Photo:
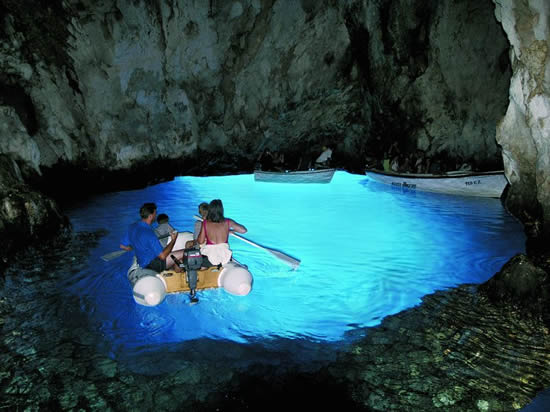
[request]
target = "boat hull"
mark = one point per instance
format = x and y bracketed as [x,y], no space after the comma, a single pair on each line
[302,176]
[481,184]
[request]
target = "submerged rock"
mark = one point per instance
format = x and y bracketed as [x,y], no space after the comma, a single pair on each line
[455,351]
[523,285]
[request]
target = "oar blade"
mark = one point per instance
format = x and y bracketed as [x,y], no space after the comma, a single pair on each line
[294,263]
[113,255]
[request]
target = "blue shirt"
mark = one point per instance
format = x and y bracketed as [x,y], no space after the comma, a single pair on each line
[143,240]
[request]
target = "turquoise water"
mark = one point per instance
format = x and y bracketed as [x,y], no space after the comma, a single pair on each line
[366,250]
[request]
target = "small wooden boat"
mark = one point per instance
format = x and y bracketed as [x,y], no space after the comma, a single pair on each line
[465,183]
[301,176]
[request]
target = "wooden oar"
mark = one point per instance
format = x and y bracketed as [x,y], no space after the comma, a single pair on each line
[294,263]
[113,255]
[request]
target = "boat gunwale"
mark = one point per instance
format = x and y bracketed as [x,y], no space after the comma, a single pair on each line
[453,175]
[295,172]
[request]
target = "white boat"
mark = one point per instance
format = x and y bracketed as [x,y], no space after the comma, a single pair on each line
[465,183]
[301,176]
[150,288]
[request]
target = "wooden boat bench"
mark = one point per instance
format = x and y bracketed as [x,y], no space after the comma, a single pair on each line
[177,281]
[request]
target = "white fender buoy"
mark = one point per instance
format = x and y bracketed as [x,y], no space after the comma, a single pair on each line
[149,290]
[235,279]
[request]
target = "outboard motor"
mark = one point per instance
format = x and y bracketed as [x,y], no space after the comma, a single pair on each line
[192,262]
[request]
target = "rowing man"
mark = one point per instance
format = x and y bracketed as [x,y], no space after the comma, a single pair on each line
[141,237]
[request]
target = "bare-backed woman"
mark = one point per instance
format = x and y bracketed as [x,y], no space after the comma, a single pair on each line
[215,231]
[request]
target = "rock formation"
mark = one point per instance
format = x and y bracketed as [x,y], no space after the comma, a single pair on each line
[524,132]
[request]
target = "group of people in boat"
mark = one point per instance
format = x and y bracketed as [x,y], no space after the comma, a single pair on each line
[276,161]
[398,161]
[153,246]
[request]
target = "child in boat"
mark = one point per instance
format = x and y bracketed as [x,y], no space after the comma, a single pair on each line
[163,229]
[203,212]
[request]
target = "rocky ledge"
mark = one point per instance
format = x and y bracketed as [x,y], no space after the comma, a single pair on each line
[26,215]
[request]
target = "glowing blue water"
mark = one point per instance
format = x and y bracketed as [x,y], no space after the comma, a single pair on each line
[367,251]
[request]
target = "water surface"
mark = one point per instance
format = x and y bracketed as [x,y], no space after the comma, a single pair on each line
[367,251]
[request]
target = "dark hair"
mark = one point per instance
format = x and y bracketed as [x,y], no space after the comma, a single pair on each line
[203,206]
[215,211]
[147,209]
[162,218]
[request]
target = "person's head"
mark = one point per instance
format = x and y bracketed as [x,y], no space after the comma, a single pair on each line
[203,209]
[162,218]
[215,211]
[147,210]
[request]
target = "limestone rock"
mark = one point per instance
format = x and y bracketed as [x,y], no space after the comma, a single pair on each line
[524,133]
[438,75]
[26,215]
[128,82]
[522,284]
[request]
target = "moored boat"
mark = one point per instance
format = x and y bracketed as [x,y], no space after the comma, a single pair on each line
[300,176]
[465,183]
[150,288]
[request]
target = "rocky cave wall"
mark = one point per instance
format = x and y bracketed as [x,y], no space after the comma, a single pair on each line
[524,132]
[202,87]
[437,75]
[149,80]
